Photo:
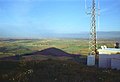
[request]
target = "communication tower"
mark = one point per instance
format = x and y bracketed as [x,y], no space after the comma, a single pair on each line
[93,12]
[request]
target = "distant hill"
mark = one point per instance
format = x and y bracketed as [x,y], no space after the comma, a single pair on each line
[109,35]
[83,35]
[55,52]
[50,51]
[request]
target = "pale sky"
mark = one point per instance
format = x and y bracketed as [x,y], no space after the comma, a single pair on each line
[24,18]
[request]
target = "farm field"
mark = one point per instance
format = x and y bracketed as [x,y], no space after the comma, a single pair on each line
[52,68]
[13,47]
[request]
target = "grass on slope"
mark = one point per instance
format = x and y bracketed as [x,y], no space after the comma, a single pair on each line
[54,71]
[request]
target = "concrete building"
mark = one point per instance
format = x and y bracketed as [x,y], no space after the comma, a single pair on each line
[109,61]
[115,63]
[109,58]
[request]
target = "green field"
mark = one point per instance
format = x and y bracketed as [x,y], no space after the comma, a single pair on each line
[49,68]
[73,46]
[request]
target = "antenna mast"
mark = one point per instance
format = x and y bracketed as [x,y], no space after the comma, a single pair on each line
[93,38]
[92,41]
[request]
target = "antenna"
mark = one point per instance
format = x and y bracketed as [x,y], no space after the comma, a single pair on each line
[87,9]
[98,13]
[93,37]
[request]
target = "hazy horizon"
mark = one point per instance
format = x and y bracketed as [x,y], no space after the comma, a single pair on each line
[82,35]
